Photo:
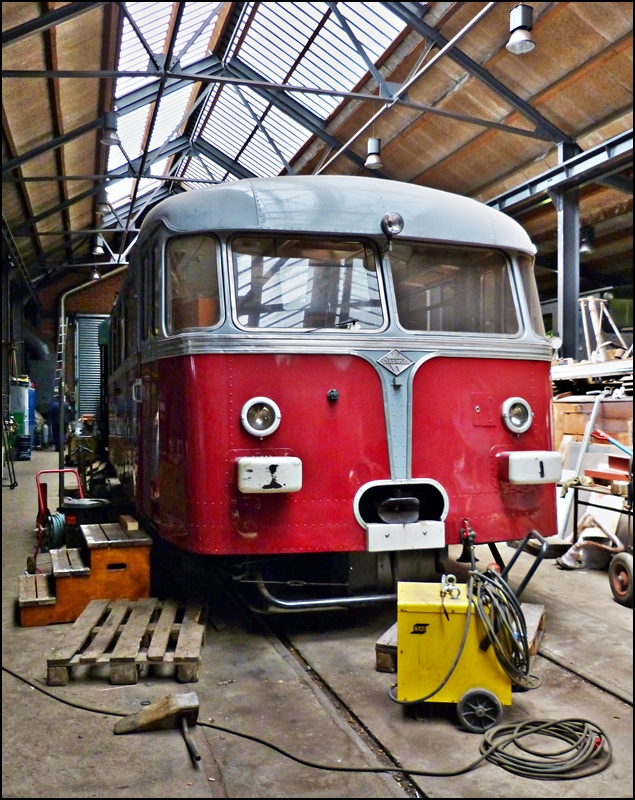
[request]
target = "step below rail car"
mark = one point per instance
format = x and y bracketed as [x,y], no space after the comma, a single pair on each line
[346,369]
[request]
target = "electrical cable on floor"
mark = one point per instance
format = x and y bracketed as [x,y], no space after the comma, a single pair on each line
[588,749]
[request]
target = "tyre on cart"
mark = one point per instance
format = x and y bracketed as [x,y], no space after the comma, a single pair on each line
[479,710]
[621,578]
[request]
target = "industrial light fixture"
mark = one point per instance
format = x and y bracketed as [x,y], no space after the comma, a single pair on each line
[587,239]
[98,245]
[102,202]
[95,276]
[110,137]
[521,21]
[373,159]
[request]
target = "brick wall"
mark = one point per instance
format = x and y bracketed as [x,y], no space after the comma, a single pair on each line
[98,298]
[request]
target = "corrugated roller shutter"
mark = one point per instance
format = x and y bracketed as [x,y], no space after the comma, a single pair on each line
[88,364]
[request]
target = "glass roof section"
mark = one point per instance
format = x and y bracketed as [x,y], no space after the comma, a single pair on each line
[230,129]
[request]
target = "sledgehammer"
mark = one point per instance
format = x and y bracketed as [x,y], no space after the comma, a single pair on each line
[174,711]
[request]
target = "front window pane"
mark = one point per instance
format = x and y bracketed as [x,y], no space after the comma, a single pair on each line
[452,289]
[300,283]
[526,265]
[192,283]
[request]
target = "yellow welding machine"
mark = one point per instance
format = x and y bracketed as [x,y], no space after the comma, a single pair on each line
[431,619]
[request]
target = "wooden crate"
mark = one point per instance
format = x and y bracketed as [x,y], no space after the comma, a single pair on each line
[115,563]
[386,645]
[129,636]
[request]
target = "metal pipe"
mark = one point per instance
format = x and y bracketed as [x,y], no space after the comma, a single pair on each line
[333,602]
[187,735]
[62,368]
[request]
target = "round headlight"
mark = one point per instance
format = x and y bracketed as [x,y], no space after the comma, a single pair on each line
[392,223]
[517,414]
[260,416]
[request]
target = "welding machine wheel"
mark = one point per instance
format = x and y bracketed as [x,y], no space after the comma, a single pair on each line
[479,710]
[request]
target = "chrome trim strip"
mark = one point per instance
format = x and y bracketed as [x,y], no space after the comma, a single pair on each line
[223,342]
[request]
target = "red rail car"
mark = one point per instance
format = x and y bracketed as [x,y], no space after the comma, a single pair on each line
[344,369]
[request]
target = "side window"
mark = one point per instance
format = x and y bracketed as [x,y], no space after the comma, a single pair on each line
[192,291]
[130,311]
[148,292]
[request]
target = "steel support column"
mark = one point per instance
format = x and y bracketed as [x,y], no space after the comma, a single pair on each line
[568,270]
[568,210]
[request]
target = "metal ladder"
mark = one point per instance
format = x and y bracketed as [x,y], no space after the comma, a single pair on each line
[61,346]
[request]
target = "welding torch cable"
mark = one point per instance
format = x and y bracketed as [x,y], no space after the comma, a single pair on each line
[587,741]
[504,623]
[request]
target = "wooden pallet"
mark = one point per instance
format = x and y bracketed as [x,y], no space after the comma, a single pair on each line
[386,645]
[129,636]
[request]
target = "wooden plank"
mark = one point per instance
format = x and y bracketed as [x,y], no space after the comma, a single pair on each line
[116,535]
[128,523]
[159,644]
[106,633]
[127,647]
[79,633]
[165,713]
[386,651]
[60,562]
[535,623]
[94,536]
[77,562]
[44,596]
[27,591]
[139,538]
[188,647]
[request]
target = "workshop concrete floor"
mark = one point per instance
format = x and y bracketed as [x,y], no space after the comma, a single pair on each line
[258,677]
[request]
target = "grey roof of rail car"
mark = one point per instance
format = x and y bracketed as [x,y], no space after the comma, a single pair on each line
[316,203]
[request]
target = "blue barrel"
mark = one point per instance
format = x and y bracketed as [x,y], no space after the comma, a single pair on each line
[23,445]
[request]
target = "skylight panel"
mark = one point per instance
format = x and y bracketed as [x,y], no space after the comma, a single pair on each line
[230,125]
[152,20]
[260,157]
[286,132]
[195,15]
[170,115]
[202,168]
[130,129]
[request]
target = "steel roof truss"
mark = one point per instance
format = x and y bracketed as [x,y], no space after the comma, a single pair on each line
[48,20]
[404,12]
[218,157]
[292,108]
[52,144]
[589,166]
[260,124]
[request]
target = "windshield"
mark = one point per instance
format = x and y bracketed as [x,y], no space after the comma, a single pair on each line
[452,289]
[305,284]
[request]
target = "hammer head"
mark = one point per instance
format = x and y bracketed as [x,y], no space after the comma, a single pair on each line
[165,713]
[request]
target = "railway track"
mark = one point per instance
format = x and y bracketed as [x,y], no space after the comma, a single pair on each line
[334,654]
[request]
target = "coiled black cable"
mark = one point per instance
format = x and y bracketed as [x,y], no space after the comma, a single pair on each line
[588,750]
[504,623]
